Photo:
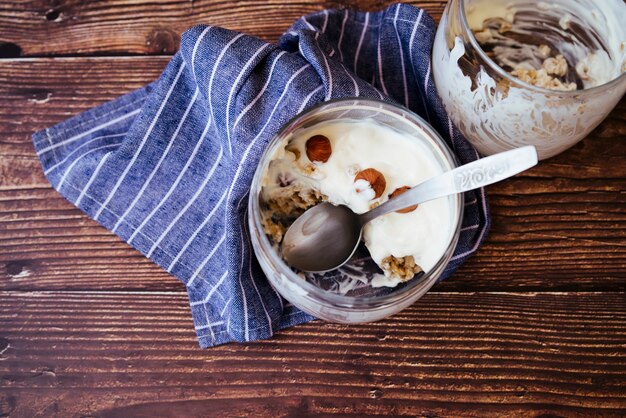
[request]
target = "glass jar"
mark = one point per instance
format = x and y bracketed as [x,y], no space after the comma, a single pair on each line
[497,111]
[318,295]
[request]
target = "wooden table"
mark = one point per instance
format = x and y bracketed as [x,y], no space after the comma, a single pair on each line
[534,324]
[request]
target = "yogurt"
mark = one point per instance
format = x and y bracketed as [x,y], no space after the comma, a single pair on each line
[421,235]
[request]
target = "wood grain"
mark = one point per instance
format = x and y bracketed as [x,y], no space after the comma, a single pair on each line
[69,27]
[561,226]
[533,325]
[122,354]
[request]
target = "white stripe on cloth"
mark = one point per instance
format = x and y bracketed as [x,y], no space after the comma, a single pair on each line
[209,325]
[235,85]
[141,145]
[358,48]
[263,89]
[406,89]
[413,33]
[90,131]
[343,27]
[246,234]
[208,321]
[356,86]
[195,49]
[426,88]
[243,291]
[307,22]
[380,66]
[225,306]
[380,95]
[206,260]
[329,93]
[197,231]
[451,133]
[426,78]
[91,179]
[328,73]
[68,156]
[325,20]
[166,152]
[213,72]
[306,100]
[467,228]
[69,169]
[210,293]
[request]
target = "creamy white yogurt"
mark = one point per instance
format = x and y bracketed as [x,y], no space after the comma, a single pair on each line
[403,160]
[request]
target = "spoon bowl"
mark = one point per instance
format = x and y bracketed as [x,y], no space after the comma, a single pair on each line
[331,230]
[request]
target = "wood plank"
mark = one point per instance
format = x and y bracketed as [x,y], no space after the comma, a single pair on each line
[37,93]
[561,226]
[47,244]
[69,27]
[491,354]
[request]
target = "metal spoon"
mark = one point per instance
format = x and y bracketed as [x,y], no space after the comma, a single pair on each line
[325,236]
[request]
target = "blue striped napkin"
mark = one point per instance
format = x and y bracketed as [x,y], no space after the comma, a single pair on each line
[168,167]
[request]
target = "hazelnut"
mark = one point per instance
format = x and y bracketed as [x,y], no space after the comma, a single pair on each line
[318,148]
[375,179]
[398,192]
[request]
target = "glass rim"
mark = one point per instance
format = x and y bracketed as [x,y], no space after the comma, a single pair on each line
[344,301]
[498,69]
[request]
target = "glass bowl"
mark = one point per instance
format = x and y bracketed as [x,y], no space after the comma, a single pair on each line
[496,111]
[341,295]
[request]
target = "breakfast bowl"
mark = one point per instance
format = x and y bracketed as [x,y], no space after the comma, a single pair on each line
[519,72]
[329,153]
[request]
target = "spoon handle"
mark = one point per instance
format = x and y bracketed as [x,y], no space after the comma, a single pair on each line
[470,176]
